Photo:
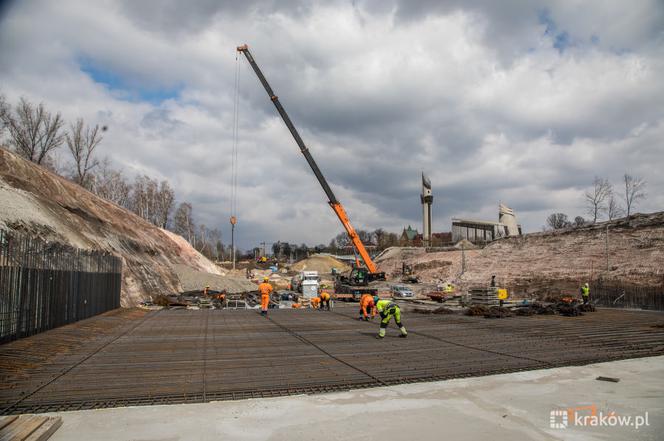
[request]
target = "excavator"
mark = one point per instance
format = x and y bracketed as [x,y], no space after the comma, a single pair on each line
[356,282]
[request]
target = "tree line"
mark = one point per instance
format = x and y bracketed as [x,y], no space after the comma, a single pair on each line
[34,133]
[602,200]
[377,240]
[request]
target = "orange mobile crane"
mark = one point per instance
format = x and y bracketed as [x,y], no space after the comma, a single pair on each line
[359,276]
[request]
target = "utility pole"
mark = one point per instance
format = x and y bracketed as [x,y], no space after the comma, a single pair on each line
[606,246]
[233,222]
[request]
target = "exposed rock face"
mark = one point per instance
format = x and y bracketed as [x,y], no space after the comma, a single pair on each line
[40,203]
[553,262]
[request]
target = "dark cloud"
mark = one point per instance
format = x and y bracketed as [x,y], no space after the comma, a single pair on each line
[495,101]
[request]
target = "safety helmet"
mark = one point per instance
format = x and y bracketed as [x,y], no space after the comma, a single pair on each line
[375,299]
[266,279]
[586,284]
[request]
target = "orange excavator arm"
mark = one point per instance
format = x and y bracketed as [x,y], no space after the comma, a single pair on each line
[332,200]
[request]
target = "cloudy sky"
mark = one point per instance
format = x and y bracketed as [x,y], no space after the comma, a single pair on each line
[520,102]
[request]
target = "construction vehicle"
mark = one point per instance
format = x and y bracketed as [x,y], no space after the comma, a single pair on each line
[307,283]
[408,274]
[359,277]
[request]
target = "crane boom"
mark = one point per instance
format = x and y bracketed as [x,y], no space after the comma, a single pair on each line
[332,200]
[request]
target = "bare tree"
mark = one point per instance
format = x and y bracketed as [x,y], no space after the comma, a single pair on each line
[33,131]
[214,238]
[201,242]
[613,208]
[208,242]
[145,199]
[111,185]
[579,221]
[4,111]
[634,191]
[341,240]
[82,142]
[165,201]
[597,197]
[556,221]
[183,222]
[219,247]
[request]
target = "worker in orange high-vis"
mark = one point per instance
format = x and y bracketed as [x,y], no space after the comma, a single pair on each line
[265,289]
[324,300]
[315,303]
[367,306]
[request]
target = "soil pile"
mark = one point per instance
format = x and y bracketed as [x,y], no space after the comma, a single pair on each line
[547,264]
[477,310]
[321,263]
[193,280]
[497,312]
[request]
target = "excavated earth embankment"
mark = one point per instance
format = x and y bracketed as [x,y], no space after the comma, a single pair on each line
[40,203]
[549,262]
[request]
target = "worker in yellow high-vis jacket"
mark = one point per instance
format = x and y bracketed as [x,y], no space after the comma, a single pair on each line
[388,309]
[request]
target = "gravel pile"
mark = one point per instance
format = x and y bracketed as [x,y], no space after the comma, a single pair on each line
[321,263]
[192,280]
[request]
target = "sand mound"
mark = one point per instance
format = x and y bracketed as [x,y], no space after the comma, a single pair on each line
[192,280]
[321,263]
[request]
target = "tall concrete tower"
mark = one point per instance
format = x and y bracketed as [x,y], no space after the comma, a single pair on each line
[427,200]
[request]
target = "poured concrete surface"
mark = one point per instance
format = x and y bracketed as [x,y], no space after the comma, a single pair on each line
[506,407]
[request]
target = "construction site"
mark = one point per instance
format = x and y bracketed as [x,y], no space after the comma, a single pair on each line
[114,328]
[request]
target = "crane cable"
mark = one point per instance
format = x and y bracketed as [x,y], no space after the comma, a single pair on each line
[234,166]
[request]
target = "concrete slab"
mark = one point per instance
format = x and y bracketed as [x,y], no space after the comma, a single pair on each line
[500,407]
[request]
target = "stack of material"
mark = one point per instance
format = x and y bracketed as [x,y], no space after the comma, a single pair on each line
[483,296]
[28,427]
[236,301]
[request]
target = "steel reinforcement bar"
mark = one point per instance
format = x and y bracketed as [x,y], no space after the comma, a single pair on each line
[181,356]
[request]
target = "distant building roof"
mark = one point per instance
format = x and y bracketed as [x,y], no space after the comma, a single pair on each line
[474,221]
[410,233]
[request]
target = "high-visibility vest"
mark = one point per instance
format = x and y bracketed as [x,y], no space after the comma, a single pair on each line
[384,305]
[265,288]
[585,291]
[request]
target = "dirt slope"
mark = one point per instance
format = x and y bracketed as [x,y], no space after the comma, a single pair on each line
[550,262]
[41,203]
